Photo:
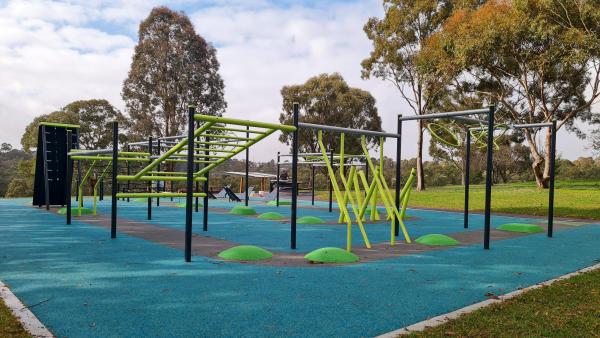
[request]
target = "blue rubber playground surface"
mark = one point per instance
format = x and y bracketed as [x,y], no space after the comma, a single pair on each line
[80,283]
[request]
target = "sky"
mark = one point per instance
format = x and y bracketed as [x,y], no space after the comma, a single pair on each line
[56,52]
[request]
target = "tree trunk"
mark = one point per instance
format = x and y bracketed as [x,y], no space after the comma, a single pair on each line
[538,161]
[420,171]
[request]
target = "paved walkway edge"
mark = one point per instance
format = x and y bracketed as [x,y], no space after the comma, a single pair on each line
[441,319]
[29,321]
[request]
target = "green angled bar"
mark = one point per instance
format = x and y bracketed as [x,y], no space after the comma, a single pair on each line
[231,137]
[224,144]
[173,150]
[64,125]
[217,119]
[238,130]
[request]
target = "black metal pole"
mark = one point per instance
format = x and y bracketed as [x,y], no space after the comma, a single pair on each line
[206,188]
[45,159]
[189,185]
[277,179]
[488,178]
[78,179]
[158,148]
[552,169]
[313,184]
[102,189]
[330,184]
[197,184]
[294,176]
[69,176]
[398,172]
[246,195]
[467,178]
[128,172]
[114,188]
[150,182]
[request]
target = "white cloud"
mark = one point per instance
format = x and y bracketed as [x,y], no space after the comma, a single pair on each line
[54,52]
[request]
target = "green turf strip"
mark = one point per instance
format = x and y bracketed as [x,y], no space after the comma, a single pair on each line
[437,240]
[521,227]
[242,210]
[281,202]
[310,220]
[245,253]
[271,216]
[75,211]
[331,255]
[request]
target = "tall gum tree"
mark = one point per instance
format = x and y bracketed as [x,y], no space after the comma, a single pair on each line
[538,59]
[172,67]
[327,99]
[397,39]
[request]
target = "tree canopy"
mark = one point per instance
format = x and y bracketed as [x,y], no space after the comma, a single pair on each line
[327,99]
[538,59]
[172,67]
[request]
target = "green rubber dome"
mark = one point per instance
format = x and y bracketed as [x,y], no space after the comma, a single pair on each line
[437,240]
[183,204]
[242,210]
[310,220]
[75,211]
[331,255]
[271,216]
[521,227]
[245,253]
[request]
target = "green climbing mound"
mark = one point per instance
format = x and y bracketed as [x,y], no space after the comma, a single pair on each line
[242,210]
[310,220]
[75,211]
[281,202]
[245,253]
[331,255]
[521,227]
[271,216]
[437,240]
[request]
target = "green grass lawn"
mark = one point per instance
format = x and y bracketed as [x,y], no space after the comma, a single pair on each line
[569,308]
[572,199]
[9,325]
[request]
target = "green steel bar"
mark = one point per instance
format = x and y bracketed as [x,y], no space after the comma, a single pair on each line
[156,194]
[185,161]
[215,150]
[157,178]
[108,158]
[406,196]
[133,153]
[200,155]
[167,172]
[336,191]
[238,130]
[211,143]
[172,151]
[80,188]
[217,119]
[231,137]
[64,125]
[98,184]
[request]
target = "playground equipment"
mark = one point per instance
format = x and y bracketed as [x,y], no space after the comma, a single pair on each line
[484,138]
[51,163]
[314,161]
[214,141]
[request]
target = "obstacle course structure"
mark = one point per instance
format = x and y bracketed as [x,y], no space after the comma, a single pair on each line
[51,163]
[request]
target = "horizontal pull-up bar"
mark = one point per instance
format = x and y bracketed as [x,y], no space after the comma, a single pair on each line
[156,194]
[470,120]
[346,130]
[445,115]
[520,126]
[218,119]
[319,155]
[158,178]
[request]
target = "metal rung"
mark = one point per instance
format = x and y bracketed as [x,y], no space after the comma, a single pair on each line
[227,137]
